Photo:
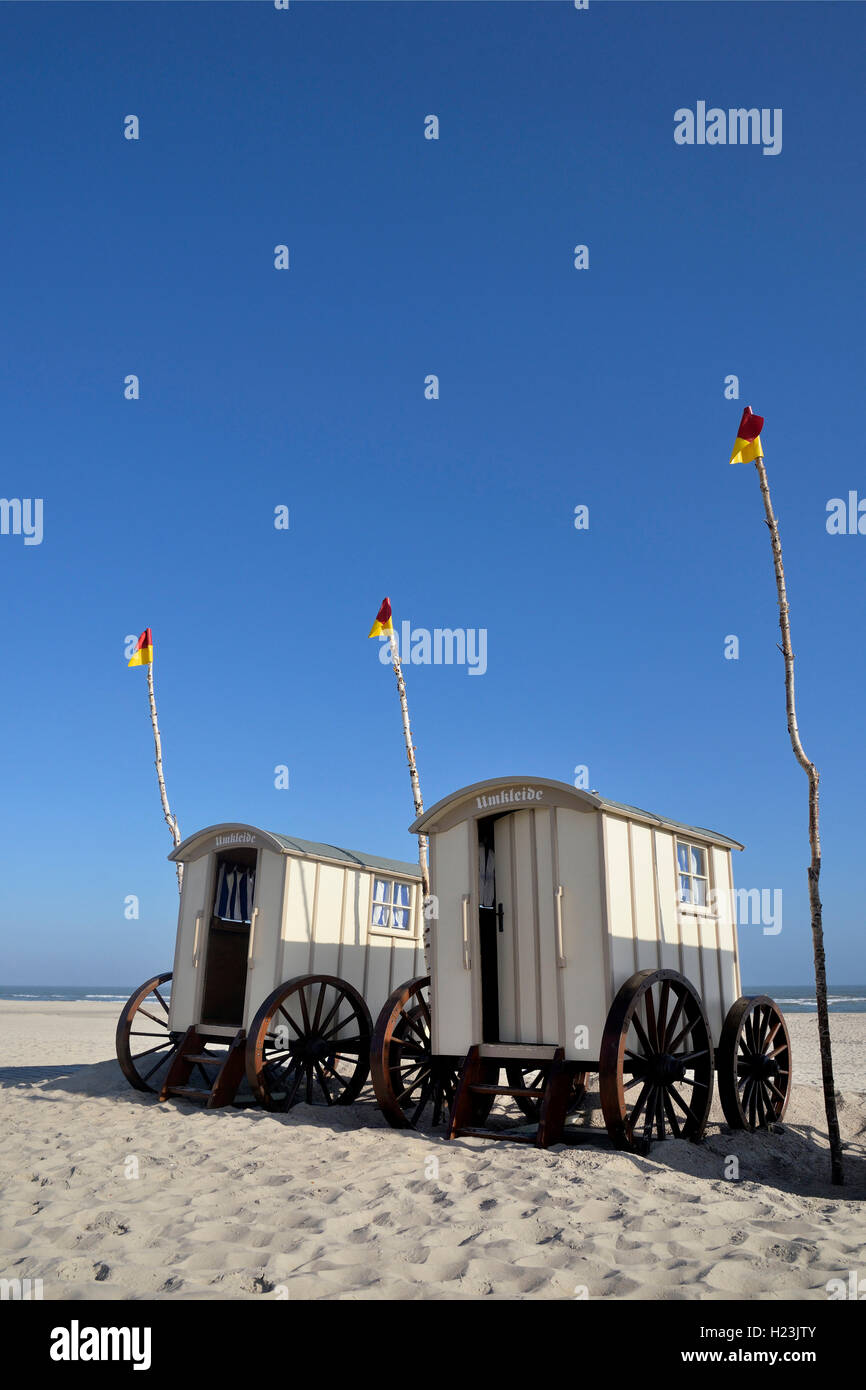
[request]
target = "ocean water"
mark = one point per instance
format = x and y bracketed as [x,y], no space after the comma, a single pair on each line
[793,999]
[97,994]
[800,999]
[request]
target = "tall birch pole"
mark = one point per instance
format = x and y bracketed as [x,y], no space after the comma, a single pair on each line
[170,818]
[812,774]
[143,656]
[410,757]
[383,626]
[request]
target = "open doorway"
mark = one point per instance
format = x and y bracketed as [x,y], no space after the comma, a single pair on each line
[225,974]
[489,928]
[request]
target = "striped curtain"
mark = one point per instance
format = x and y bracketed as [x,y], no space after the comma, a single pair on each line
[234,895]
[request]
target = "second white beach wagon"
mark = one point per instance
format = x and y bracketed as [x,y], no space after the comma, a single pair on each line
[568,935]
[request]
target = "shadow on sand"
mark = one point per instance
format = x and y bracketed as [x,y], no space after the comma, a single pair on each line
[793,1160]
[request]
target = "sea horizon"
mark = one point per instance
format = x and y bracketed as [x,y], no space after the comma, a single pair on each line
[798,998]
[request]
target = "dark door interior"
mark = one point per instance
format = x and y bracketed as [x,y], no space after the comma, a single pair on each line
[225,978]
[489,927]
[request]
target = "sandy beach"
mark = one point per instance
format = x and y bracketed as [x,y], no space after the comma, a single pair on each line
[107,1194]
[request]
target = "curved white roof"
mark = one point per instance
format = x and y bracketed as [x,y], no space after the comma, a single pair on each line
[237,834]
[429,819]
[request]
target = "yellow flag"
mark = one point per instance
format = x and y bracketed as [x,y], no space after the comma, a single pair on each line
[383,620]
[747,446]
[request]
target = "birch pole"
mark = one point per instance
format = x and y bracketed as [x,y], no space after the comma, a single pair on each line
[171,820]
[384,626]
[814,869]
[413,768]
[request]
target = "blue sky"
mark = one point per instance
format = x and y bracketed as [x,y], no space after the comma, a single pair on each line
[558,387]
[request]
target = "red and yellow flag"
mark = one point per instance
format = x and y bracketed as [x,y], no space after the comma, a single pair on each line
[747,446]
[383,620]
[143,654]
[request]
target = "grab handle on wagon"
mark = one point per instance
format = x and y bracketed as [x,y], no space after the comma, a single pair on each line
[198,917]
[560,950]
[467,959]
[251,951]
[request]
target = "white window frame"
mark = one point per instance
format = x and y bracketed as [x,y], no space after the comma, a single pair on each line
[696,909]
[408,933]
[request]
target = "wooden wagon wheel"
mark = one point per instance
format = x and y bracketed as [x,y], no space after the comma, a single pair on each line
[532,1077]
[656,1063]
[407,1078]
[754,1063]
[310,1041]
[145,1047]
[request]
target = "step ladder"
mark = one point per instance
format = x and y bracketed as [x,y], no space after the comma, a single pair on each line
[225,1070]
[553,1097]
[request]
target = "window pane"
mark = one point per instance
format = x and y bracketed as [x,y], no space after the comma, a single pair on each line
[697,861]
[381,890]
[400,918]
[401,894]
[380,915]
[683,857]
[699,891]
[685,889]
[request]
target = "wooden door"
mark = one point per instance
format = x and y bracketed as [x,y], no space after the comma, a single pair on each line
[528,984]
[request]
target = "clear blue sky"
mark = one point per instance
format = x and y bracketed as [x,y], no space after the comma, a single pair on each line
[306,387]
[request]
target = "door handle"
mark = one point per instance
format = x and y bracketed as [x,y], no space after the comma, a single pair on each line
[467,959]
[198,917]
[499,911]
[251,948]
[560,951]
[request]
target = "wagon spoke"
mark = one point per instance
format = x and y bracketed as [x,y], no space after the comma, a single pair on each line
[323,1083]
[419,1108]
[160,1047]
[674,1018]
[672,1114]
[413,1024]
[687,1059]
[663,1004]
[675,1095]
[290,1095]
[642,1037]
[683,1033]
[291,1022]
[421,1080]
[160,1022]
[333,1009]
[660,1113]
[639,1103]
[318,1014]
[157,1066]
[161,1000]
[652,1027]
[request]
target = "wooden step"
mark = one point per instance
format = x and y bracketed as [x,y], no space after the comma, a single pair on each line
[191,1054]
[481,1089]
[510,1134]
[188,1092]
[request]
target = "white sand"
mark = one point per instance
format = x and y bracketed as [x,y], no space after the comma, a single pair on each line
[334,1204]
